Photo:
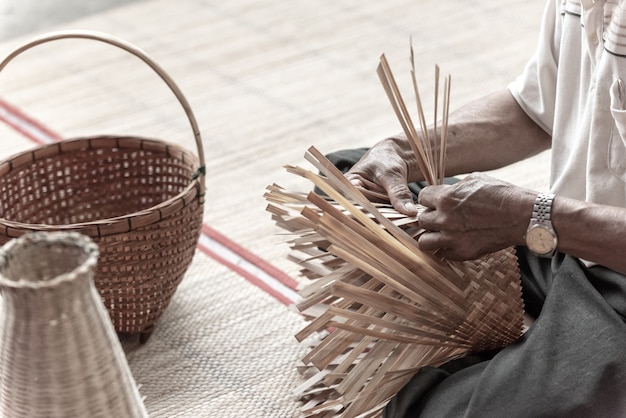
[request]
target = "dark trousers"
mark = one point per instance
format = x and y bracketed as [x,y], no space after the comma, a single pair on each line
[571,362]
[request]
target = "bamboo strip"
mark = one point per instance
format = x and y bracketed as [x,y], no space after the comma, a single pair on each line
[425,139]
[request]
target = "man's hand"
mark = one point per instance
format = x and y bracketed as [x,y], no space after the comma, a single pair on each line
[476,216]
[385,170]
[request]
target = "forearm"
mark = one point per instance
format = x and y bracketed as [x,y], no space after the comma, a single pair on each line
[590,231]
[488,133]
[585,230]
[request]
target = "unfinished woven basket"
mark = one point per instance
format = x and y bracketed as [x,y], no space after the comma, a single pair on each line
[59,354]
[140,199]
[379,308]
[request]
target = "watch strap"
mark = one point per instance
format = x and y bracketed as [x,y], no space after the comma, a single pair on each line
[542,209]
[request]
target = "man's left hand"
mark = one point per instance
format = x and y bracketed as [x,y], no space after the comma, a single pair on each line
[476,216]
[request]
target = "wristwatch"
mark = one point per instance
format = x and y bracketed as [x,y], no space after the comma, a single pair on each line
[540,236]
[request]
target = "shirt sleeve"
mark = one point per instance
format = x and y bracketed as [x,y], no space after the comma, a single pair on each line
[535,89]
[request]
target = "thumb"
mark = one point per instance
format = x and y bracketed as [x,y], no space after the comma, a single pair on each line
[401,197]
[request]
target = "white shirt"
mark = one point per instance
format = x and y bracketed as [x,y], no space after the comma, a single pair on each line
[575,89]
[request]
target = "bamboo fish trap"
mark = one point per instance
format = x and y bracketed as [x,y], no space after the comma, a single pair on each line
[379,309]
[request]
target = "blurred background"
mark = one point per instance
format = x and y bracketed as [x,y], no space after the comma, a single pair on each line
[18,17]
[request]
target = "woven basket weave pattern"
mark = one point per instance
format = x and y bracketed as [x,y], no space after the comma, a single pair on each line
[138,275]
[86,189]
[91,184]
[59,355]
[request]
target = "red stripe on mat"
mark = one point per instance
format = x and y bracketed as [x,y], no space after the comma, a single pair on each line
[248,265]
[27,126]
[254,269]
[256,260]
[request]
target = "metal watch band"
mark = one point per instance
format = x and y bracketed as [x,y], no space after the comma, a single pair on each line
[542,208]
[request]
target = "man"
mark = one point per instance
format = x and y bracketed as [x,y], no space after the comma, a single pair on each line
[571,241]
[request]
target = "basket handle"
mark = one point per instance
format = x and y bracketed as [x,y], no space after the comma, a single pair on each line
[120,43]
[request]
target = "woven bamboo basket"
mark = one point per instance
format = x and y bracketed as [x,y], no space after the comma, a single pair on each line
[59,354]
[140,199]
[379,308]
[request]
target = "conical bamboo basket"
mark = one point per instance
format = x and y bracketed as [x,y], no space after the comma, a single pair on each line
[59,353]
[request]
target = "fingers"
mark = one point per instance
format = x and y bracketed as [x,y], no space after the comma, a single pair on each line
[403,202]
[360,181]
[439,244]
[391,188]
[399,194]
[371,190]
[383,169]
[433,239]
[377,193]
[430,241]
[428,219]
[429,196]
[445,246]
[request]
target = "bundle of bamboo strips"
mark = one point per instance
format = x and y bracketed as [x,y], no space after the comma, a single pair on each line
[380,307]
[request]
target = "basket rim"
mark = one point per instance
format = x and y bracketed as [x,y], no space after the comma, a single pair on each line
[7,253]
[119,224]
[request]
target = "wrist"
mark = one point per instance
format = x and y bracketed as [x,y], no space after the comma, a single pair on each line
[521,213]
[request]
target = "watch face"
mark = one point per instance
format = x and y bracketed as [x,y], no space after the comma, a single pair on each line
[540,239]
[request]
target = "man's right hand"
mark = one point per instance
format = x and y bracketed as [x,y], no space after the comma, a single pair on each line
[386,169]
